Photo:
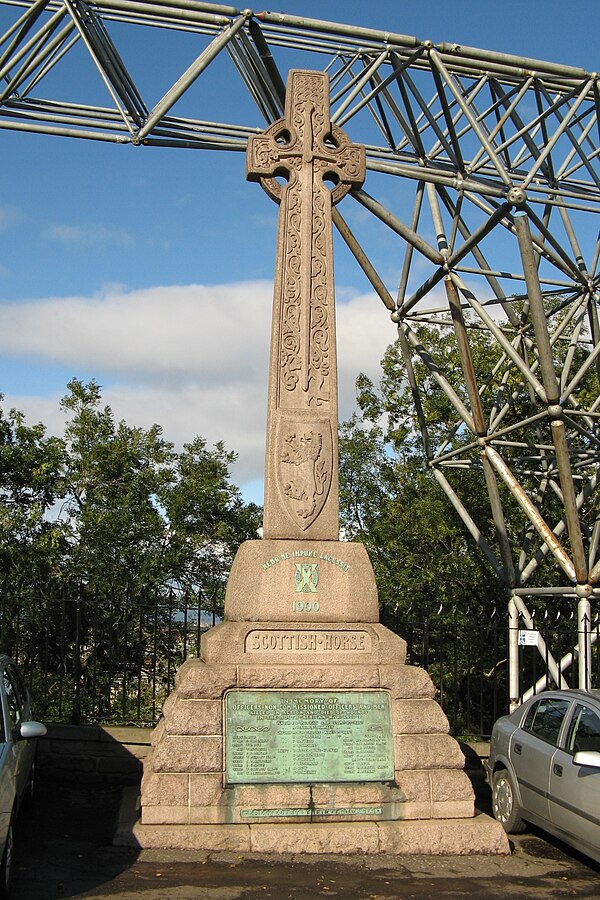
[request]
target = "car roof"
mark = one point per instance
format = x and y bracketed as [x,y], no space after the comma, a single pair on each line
[593,694]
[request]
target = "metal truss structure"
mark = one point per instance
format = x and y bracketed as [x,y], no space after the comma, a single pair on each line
[489,165]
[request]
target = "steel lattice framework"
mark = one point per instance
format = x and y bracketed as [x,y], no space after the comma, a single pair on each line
[498,165]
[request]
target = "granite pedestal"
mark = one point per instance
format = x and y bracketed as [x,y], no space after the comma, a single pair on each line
[188,798]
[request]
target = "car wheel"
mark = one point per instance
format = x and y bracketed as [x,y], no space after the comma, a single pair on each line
[505,806]
[7,861]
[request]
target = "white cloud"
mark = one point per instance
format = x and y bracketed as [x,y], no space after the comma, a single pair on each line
[192,358]
[9,216]
[89,235]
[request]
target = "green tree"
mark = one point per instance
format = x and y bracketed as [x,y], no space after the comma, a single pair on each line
[428,568]
[114,477]
[145,523]
[111,542]
[31,539]
[434,586]
[390,500]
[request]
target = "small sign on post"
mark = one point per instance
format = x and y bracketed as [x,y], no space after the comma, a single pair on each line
[528,637]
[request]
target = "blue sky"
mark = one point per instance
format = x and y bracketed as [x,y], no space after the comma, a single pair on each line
[150,269]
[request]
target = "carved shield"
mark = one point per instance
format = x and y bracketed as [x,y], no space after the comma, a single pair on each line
[304,467]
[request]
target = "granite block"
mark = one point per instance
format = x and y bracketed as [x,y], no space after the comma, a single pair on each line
[184,753]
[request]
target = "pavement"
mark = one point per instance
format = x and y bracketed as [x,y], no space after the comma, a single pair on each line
[64,849]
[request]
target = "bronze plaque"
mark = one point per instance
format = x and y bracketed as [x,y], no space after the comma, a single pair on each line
[274,737]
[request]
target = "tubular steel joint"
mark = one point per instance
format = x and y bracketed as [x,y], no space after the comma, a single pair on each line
[517,196]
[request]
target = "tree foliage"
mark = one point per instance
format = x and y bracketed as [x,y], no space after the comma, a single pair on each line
[390,500]
[106,533]
[435,588]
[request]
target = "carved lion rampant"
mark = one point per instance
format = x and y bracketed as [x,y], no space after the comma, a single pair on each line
[303,452]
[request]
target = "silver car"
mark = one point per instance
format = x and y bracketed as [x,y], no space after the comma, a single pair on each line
[544,767]
[17,756]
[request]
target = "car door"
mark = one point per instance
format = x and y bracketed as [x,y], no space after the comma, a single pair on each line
[6,773]
[574,789]
[532,751]
[20,750]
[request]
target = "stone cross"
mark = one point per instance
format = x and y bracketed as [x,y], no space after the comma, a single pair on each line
[306,164]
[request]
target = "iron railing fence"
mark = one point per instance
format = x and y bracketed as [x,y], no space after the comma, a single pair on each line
[109,659]
[113,659]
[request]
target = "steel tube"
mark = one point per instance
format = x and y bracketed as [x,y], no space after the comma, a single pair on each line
[396,225]
[452,260]
[24,23]
[353,31]
[443,382]
[578,314]
[510,60]
[267,59]
[468,522]
[595,574]
[408,255]
[554,669]
[569,501]
[514,689]
[364,79]
[455,151]
[180,12]
[188,77]
[36,59]
[480,258]
[466,359]
[555,256]
[414,389]
[450,180]
[499,522]
[568,591]
[510,107]
[566,129]
[434,206]
[74,12]
[504,343]
[67,132]
[556,247]
[532,513]
[578,378]
[489,148]
[362,259]
[594,542]
[584,494]
[36,39]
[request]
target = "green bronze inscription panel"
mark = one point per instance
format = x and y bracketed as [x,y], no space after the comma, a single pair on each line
[274,737]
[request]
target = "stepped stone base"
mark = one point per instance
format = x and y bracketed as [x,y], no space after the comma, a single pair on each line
[186,801]
[441,837]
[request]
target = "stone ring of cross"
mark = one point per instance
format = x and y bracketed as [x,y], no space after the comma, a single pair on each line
[323,159]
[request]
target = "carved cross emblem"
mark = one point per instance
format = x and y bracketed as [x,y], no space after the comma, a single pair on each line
[305,145]
[306,164]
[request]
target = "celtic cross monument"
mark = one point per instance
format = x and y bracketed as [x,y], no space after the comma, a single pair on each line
[301,474]
[300,728]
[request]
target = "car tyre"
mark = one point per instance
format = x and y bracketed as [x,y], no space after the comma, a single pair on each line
[7,861]
[505,805]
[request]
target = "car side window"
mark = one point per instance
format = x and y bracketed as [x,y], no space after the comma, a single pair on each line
[15,701]
[544,718]
[584,731]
